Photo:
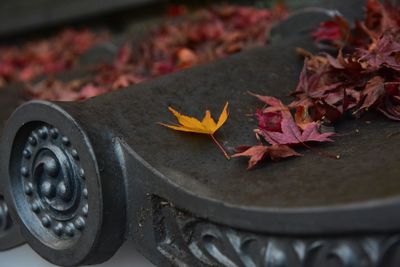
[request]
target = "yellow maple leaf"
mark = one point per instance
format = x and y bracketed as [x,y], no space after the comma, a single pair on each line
[206,126]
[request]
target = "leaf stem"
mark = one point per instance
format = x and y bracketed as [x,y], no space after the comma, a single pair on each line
[220,147]
[321,153]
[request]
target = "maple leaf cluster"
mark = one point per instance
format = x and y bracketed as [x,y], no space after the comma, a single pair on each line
[283,131]
[364,75]
[49,56]
[203,36]
[184,40]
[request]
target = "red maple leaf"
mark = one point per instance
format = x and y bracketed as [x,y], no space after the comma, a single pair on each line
[269,121]
[381,17]
[328,30]
[259,153]
[373,92]
[336,31]
[90,90]
[391,107]
[291,133]
[274,104]
[384,53]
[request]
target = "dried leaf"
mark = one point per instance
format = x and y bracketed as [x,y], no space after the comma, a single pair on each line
[269,121]
[291,134]
[206,126]
[385,53]
[183,40]
[373,92]
[46,56]
[337,31]
[302,117]
[260,153]
[190,124]
[364,75]
[390,107]
[274,104]
[186,58]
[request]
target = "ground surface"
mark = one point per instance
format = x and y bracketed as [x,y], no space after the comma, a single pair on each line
[25,256]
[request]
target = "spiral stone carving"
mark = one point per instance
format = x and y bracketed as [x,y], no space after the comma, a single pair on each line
[215,245]
[5,221]
[54,182]
[192,241]
[58,187]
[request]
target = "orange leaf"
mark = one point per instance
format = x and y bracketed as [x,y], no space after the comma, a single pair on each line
[206,126]
[190,124]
